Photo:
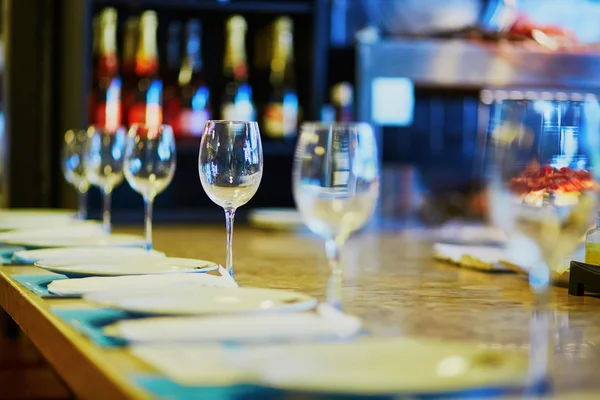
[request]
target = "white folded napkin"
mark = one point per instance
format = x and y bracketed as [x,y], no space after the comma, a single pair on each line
[327,323]
[139,283]
[477,257]
[490,258]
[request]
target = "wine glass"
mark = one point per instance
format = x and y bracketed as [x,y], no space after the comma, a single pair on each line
[149,165]
[542,180]
[336,187]
[73,150]
[103,163]
[230,165]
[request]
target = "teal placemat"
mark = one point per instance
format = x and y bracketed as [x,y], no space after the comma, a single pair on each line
[6,253]
[38,283]
[91,321]
[164,388]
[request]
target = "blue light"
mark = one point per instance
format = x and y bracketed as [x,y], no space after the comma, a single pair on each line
[200,99]
[153,96]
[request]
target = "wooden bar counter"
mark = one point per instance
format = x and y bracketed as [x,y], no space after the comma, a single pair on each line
[391,282]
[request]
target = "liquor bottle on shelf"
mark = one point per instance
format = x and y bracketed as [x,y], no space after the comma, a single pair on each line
[106,90]
[194,95]
[342,95]
[130,42]
[170,73]
[237,101]
[280,114]
[146,107]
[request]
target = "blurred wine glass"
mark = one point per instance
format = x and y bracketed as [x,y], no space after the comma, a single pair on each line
[542,180]
[230,166]
[149,165]
[336,187]
[104,164]
[73,151]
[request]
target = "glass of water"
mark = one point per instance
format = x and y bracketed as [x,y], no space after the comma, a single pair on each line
[73,150]
[103,163]
[336,187]
[149,165]
[230,165]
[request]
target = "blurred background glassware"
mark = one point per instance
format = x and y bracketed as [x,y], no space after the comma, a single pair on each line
[149,165]
[104,163]
[440,17]
[542,179]
[73,151]
[230,164]
[336,186]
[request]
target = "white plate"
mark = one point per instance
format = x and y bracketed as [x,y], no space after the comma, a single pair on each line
[207,301]
[384,366]
[37,212]
[67,253]
[100,240]
[32,221]
[87,229]
[275,218]
[138,283]
[115,266]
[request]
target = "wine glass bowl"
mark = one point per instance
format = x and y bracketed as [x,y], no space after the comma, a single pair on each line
[542,179]
[103,161]
[230,164]
[73,153]
[149,166]
[150,159]
[336,186]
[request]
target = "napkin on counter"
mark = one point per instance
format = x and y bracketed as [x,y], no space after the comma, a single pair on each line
[325,324]
[145,283]
[486,258]
[491,258]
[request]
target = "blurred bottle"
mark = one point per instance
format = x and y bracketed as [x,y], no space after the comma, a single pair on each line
[342,97]
[130,40]
[280,118]
[592,244]
[172,51]
[147,101]
[237,101]
[194,95]
[106,87]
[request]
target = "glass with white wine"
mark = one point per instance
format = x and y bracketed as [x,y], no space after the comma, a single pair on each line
[542,181]
[103,163]
[73,151]
[230,164]
[149,165]
[336,186]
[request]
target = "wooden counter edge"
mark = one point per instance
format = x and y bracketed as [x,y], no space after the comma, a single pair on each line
[74,358]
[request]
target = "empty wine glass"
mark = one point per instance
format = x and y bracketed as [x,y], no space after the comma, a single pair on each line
[230,165]
[542,180]
[73,150]
[149,165]
[336,187]
[104,163]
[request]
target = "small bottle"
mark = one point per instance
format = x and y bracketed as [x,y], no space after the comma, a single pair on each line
[592,244]
[106,98]
[237,103]
[147,99]
[281,109]
[193,91]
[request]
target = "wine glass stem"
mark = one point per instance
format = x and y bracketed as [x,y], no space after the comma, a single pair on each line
[106,212]
[229,216]
[148,222]
[334,286]
[82,212]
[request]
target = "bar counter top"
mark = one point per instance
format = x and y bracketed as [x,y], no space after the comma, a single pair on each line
[391,282]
